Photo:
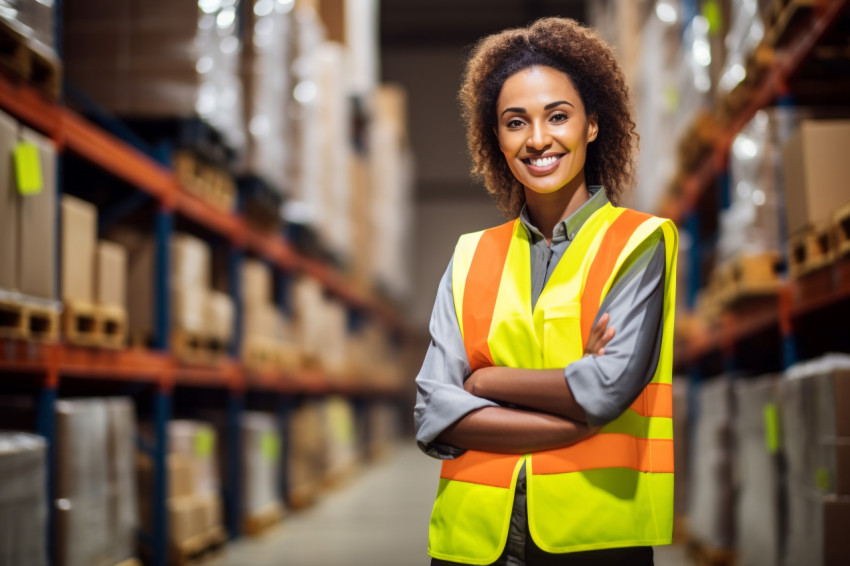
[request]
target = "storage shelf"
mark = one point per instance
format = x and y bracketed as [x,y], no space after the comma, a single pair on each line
[786,61]
[141,365]
[792,304]
[74,133]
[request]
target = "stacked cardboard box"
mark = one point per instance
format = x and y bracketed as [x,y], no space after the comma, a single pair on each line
[342,439]
[194,504]
[267,342]
[759,514]
[28,250]
[307,453]
[156,58]
[23,500]
[816,434]
[382,429]
[266,52]
[261,457]
[711,506]
[96,499]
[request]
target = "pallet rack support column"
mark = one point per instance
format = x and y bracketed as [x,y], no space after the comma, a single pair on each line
[237,255]
[164,226]
[46,427]
[233,487]
[161,415]
[694,258]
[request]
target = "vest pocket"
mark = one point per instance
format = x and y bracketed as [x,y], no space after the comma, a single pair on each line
[562,335]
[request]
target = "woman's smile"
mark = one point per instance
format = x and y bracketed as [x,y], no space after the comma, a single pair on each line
[544,164]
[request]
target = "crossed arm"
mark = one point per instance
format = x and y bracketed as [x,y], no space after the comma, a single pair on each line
[550,418]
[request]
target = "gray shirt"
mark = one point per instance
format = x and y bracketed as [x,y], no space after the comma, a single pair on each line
[604,386]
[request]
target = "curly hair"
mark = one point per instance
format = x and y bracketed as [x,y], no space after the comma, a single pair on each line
[586,59]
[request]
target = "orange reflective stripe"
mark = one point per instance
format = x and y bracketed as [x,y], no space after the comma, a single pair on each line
[485,468]
[615,239]
[482,288]
[607,451]
[656,400]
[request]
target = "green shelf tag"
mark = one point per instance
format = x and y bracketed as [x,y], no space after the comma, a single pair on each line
[771,428]
[823,479]
[270,446]
[204,443]
[711,12]
[28,169]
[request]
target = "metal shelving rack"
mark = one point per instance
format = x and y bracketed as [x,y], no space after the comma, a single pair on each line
[49,363]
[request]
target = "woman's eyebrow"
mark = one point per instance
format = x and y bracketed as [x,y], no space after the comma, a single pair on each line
[549,106]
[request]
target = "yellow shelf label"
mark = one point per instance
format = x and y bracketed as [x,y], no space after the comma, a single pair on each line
[270,446]
[204,443]
[28,169]
[771,428]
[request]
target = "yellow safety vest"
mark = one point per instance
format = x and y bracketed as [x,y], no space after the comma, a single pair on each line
[614,489]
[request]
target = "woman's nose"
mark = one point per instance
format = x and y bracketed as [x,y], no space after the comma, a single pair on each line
[539,137]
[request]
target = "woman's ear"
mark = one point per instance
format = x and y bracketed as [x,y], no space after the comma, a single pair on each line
[592,128]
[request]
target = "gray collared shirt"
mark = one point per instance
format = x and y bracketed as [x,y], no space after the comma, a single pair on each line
[604,386]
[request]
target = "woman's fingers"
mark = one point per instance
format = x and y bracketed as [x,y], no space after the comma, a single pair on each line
[599,337]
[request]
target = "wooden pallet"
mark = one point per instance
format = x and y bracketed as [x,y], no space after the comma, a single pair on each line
[209,182]
[112,322]
[130,562]
[92,325]
[27,60]
[257,523]
[302,496]
[811,249]
[199,549]
[197,348]
[27,320]
[748,276]
[705,555]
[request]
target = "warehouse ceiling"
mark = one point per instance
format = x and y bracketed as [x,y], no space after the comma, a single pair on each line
[461,22]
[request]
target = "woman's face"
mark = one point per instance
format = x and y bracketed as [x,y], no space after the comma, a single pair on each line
[542,129]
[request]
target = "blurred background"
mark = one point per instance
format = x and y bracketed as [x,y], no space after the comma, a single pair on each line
[223,223]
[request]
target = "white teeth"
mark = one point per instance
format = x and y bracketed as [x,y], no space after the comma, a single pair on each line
[543,161]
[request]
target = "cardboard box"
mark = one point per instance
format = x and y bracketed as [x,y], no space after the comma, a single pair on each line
[79,238]
[817,529]
[189,308]
[140,277]
[190,262]
[111,280]
[262,319]
[256,282]
[219,315]
[185,518]
[211,511]
[196,440]
[37,259]
[10,204]
[81,459]
[816,170]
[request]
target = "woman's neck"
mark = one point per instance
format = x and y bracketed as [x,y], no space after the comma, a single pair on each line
[546,210]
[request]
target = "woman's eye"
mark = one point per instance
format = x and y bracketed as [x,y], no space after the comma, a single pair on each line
[559,118]
[514,123]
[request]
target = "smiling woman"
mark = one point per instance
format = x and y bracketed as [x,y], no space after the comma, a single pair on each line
[554,429]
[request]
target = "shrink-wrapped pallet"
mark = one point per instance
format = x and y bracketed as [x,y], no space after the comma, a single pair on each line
[712,496]
[197,441]
[261,457]
[758,509]
[342,438]
[23,499]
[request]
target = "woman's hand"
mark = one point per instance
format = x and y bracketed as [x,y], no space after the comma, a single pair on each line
[599,337]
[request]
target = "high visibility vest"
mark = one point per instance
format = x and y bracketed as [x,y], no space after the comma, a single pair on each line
[614,489]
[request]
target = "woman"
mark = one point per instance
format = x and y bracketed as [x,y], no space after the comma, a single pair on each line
[546,387]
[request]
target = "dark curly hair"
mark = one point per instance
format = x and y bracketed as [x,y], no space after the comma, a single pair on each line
[586,59]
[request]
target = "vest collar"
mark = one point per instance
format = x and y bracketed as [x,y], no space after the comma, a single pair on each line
[567,229]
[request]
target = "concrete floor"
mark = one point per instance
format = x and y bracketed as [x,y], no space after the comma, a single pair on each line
[379,518]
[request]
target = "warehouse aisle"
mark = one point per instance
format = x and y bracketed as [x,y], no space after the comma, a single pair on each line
[380,518]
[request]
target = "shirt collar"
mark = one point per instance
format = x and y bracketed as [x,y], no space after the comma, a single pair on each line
[567,229]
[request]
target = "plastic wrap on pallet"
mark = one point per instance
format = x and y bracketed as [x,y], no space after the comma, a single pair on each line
[342,438]
[23,499]
[307,452]
[155,58]
[197,440]
[816,426]
[267,54]
[82,483]
[261,456]
[123,503]
[710,509]
[744,33]
[33,18]
[758,512]
[817,530]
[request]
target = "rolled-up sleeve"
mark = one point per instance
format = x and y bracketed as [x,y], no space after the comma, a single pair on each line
[605,386]
[440,397]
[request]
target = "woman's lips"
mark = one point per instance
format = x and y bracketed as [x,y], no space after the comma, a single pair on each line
[543,165]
